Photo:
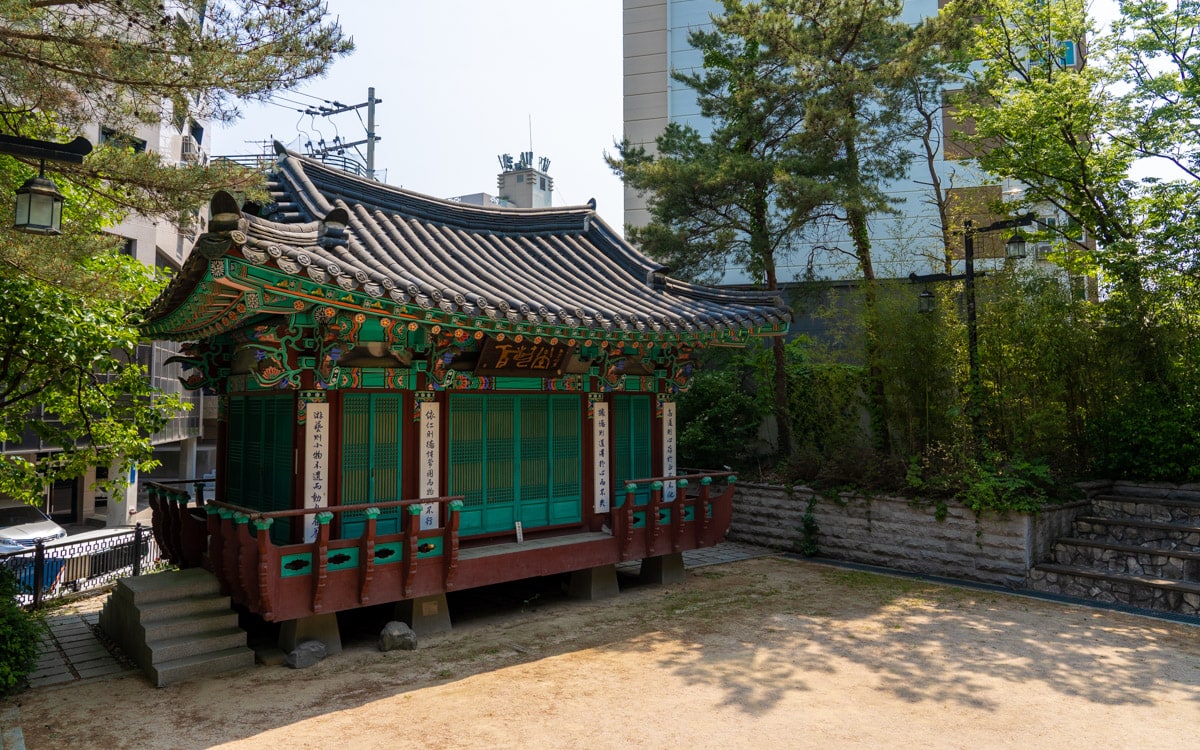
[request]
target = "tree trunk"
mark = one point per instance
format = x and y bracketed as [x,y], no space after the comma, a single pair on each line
[856,218]
[783,412]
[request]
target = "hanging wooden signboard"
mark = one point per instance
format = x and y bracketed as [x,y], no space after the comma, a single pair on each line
[668,443]
[428,464]
[528,358]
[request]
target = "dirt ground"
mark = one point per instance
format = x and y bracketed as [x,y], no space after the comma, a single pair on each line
[765,653]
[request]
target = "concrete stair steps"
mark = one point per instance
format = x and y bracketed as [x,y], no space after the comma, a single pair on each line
[176,626]
[1173,564]
[187,606]
[1184,510]
[206,622]
[1153,491]
[1181,597]
[1138,532]
[202,665]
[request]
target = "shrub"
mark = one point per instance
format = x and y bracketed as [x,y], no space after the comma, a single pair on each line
[719,420]
[1149,436]
[994,482]
[20,633]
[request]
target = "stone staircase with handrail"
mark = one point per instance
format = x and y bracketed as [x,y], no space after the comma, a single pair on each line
[1139,546]
[176,625]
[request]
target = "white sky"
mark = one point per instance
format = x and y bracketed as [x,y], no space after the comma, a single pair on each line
[461,83]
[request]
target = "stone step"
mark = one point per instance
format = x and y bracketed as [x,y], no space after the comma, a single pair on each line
[185,606]
[162,650]
[190,624]
[190,667]
[1180,597]
[1188,492]
[177,626]
[1135,532]
[1164,509]
[1173,564]
[168,585]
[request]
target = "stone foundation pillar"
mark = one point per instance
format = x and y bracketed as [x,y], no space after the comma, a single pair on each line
[594,583]
[426,615]
[323,628]
[663,569]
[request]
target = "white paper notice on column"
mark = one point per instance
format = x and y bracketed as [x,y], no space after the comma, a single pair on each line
[601,454]
[668,436]
[429,462]
[316,460]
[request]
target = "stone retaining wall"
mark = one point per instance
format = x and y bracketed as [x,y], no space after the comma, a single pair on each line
[897,533]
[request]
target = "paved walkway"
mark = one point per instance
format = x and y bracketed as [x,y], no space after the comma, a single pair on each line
[70,649]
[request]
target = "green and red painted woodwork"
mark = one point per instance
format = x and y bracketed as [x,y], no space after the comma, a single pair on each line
[286,582]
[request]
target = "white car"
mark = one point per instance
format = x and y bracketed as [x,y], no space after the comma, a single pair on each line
[23,526]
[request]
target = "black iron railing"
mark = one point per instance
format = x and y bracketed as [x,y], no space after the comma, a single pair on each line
[81,563]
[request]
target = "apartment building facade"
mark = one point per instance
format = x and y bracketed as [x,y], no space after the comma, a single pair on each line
[179,446]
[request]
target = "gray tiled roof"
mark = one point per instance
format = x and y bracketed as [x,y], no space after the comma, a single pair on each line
[551,266]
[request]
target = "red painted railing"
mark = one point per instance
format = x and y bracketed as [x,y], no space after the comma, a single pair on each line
[250,566]
[692,492]
[282,582]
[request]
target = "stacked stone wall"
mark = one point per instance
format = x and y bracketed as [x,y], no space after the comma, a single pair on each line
[898,533]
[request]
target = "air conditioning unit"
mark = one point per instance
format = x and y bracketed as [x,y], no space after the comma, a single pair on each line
[189,151]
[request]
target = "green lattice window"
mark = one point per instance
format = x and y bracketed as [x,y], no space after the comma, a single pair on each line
[371,459]
[631,445]
[515,458]
[258,463]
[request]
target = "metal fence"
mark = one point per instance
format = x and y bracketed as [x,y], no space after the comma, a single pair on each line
[80,563]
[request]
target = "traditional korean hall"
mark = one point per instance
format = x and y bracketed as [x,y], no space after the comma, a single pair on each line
[418,396]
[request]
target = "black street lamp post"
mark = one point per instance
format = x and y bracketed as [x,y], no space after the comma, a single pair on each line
[1014,248]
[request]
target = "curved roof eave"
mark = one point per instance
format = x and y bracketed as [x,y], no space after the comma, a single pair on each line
[560,267]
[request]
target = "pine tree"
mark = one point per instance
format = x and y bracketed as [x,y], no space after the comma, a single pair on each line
[69,304]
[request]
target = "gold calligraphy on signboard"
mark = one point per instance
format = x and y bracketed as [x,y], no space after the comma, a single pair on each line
[511,357]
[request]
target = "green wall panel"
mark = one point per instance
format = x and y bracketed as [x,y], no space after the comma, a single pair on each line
[515,458]
[372,458]
[631,445]
[258,461]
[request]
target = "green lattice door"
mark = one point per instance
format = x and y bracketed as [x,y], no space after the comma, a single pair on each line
[515,458]
[631,445]
[258,460]
[371,459]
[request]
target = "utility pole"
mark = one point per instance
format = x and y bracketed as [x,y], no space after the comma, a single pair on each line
[371,138]
[371,133]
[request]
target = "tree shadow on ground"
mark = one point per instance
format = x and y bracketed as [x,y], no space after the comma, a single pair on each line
[750,636]
[923,642]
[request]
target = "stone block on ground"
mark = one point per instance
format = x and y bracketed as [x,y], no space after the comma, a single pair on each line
[397,636]
[306,655]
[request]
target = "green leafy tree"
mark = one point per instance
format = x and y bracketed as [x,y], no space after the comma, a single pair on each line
[1070,127]
[69,304]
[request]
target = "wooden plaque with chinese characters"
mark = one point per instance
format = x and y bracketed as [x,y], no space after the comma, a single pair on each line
[522,358]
